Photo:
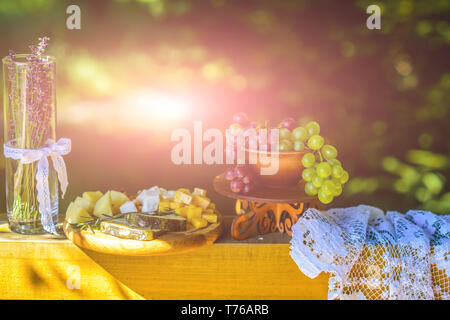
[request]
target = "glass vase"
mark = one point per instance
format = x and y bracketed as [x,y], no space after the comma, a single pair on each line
[29,104]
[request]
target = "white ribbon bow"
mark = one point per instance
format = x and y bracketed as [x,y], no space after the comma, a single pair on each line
[56,150]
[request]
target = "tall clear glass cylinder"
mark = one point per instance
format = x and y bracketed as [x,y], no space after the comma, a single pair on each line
[29,105]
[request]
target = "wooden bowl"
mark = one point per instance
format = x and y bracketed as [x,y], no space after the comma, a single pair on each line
[289,169]
[266,194]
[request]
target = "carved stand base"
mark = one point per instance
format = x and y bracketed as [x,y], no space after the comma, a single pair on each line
[267,217]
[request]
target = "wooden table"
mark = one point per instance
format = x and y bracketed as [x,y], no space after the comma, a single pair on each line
[46,267]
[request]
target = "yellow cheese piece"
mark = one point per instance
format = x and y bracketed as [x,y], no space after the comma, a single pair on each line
[92,196]
[212,206]
[201,201]
[103,206]
[199,222]
[199,192]
[175,205]
[210,217]
[85,204]
[193,212]
[76,214]
[181,211]
[117,200]
[164,206]
[182,197]
[208,211]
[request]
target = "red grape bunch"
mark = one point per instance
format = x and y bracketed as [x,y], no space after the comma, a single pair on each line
[242,179]
[239,127]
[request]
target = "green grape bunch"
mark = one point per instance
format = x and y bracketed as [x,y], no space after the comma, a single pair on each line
[323,172]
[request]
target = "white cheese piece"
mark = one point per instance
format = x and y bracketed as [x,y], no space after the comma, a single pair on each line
[150,203]
[168,195]
[128,207]
[152,192]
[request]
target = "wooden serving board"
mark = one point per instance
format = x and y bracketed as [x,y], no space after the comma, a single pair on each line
[169,243]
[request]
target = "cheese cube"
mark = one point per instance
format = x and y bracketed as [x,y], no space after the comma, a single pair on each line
[128,207]
[201,201]
[164,206]
[85,204]
[212,206]
[77,214]
[193,212]
[169,195]
[150,204]
[210,217]
[199,192]
[175,205]
[199,223]
[117,199]
[92,196]
[183,197]
[103,206]
[181,211]
[153,192]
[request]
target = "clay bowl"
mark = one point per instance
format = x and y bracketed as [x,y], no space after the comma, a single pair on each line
[289,170]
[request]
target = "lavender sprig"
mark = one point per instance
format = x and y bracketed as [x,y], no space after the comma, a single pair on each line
[36,51]
[11,56]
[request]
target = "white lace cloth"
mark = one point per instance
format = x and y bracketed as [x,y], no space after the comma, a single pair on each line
[55,151]
[372,255]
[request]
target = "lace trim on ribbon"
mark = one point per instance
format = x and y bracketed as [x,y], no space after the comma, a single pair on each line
[55,151]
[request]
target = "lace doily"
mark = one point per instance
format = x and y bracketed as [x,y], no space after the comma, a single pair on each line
[372,255]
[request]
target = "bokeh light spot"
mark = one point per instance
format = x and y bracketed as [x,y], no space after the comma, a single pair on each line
[425,140]
[348,49]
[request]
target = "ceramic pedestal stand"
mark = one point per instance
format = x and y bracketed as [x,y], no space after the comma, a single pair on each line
[267,209]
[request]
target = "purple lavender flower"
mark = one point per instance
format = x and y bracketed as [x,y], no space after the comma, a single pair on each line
[39,97]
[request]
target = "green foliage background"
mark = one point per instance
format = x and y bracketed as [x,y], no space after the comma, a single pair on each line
[381,96]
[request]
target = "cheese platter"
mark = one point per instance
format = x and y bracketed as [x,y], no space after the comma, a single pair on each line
[155,222]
